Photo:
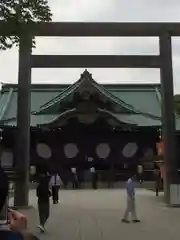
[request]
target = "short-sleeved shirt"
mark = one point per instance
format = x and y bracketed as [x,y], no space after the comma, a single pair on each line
[73,170]
[55,180]
[92,170]
[130,188]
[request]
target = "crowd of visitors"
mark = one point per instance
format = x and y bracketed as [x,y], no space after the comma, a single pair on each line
[49,185]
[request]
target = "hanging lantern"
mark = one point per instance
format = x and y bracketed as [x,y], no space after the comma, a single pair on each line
[160,144]
[160,147]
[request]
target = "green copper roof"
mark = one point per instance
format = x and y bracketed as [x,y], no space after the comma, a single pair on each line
[87,81]
[142,100]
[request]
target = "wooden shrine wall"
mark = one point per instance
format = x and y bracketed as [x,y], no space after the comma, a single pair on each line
[59,150]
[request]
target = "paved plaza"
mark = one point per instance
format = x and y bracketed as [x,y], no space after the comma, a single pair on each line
[95,215]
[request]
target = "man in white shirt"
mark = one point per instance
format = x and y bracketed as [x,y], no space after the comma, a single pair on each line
[55,182]
[73,170]
[131,206]
[92,169]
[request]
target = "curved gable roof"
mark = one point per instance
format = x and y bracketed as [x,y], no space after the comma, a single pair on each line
[141,99]
[86,79]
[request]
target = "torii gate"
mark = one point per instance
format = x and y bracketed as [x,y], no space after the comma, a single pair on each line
[27,61]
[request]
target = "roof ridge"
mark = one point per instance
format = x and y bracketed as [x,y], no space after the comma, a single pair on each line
[84,76]
[112,96]
[73,86]
[51,102]
[120,101]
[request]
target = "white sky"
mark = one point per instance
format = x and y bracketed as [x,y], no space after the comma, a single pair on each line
[98,11]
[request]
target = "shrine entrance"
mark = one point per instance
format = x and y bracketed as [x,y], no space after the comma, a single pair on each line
[83,143]
[163,61]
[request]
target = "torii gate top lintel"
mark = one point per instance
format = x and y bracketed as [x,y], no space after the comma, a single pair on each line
[96,29]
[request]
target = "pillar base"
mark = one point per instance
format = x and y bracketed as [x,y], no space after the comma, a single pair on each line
[175,195]
[21,194]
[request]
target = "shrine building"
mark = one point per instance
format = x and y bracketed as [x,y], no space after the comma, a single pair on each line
[85,124]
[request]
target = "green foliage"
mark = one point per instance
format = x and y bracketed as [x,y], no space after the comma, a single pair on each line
[22,11]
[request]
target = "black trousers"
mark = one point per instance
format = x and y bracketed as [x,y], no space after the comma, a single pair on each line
[75,182]
[55,194]
[94,180]
[43,209]
[157,186]
[140,177]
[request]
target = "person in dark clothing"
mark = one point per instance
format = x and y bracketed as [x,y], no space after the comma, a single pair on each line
[43,194]
[140,173]
[75,180]
[157,180]
[4,187]
[94,177]
[110,176]
[17,235]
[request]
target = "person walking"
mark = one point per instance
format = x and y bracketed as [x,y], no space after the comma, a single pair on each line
[131,205]
[55,183]
[4,188]
[140,172]
[161,168]
[111,174]
[157,176]
[94,177]
[43,195]
[75,181]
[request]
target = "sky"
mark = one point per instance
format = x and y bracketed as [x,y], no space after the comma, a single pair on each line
[101,11]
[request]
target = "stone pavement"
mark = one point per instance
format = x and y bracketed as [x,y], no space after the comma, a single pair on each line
[88,214]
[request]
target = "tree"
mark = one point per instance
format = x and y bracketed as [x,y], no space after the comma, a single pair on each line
[22,11]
